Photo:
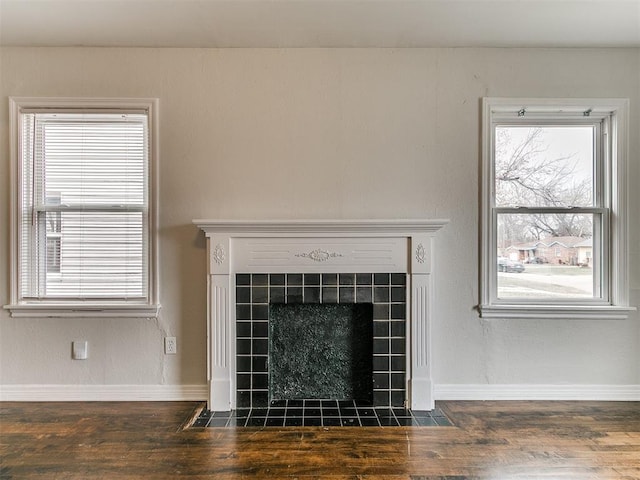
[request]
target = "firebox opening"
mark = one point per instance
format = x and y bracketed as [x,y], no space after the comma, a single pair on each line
[321,351]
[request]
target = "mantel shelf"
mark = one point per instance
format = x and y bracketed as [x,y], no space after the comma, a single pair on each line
[322,228]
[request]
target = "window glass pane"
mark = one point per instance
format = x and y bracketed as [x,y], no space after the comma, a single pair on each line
[98,255]
[544,166]
[545,256]
[93,159]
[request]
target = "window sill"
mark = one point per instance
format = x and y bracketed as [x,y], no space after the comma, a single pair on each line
[569,312]
[79,310]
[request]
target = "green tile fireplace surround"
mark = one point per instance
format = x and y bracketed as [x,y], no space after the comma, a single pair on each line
[321,336]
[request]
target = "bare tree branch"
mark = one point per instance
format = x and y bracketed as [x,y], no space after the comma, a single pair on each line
[526,175]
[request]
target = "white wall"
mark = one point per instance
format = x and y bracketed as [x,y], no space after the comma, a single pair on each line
[320,133]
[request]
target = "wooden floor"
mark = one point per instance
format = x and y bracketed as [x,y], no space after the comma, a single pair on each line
[491,440]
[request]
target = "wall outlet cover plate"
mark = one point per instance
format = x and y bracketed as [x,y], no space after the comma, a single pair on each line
[80,350]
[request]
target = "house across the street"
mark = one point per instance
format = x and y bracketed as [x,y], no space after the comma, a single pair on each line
[556,250]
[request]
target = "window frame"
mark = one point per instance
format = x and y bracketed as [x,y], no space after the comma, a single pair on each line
[610,204]
[83,307]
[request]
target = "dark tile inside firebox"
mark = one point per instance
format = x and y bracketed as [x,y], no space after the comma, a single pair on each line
[325,413]
[317,351]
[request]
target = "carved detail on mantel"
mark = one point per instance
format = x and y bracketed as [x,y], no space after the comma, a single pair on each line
[319,255]
[218,254]
[421,253]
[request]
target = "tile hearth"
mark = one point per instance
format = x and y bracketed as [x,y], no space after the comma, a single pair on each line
[322,413]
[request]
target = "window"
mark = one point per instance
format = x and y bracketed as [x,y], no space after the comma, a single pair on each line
[83,240]
[554,209]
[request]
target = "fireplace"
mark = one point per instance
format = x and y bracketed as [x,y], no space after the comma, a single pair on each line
[257,267]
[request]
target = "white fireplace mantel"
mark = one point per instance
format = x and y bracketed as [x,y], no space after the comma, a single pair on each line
[322,246]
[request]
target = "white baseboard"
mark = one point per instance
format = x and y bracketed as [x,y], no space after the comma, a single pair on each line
[102,393]
[132,393]
[537,392]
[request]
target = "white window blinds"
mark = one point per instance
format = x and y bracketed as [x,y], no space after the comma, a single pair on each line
[84,206]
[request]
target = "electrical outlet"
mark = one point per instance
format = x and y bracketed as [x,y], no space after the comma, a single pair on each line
[80,350]
[170,346]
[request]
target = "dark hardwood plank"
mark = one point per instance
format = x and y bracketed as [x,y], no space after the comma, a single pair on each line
[491,440]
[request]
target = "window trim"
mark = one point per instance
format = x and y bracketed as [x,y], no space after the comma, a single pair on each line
[20,307]
[614,188]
